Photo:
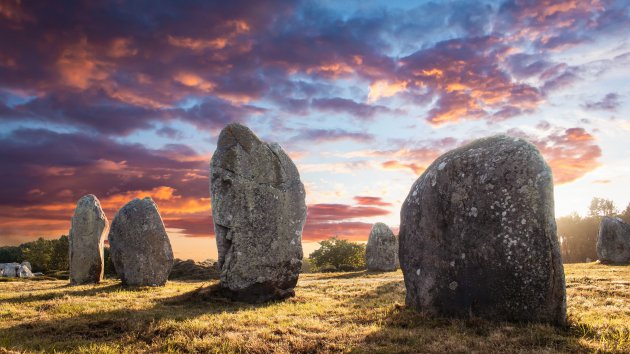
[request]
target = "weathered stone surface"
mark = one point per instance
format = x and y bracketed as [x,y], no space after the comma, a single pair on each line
[259,209]
[381,252]
[9,269]
[139,245]
[613,241]
[86,240]
[28,265]
[478,235]
[24,272]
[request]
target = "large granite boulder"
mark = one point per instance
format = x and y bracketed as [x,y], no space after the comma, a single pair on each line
[86,240]
[24,272]
[10,270]
[613,241]
[478,235]
[381,252]
[139,245]
[259,211]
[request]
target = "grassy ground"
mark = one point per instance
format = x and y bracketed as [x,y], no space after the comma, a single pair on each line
[339,312]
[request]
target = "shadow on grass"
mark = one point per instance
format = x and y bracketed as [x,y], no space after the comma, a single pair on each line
[403,330]
[352,275]
[117,327]
[96,289]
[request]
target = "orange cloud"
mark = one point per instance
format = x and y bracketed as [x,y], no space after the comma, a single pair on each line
[396,165]
[384,88]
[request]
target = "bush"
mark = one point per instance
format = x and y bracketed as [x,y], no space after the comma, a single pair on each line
[346,268]
[306,266]
[335,252]
[328,268]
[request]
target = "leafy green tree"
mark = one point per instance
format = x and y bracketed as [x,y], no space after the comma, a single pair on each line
[336,252]
[602,207]
[38,253]
[109,269]
[625,215]
[59,259]
[10,254]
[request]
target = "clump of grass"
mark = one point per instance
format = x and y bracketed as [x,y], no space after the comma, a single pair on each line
[343,312]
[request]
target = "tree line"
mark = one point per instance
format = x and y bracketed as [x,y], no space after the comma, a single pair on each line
[577,235]
[46,256]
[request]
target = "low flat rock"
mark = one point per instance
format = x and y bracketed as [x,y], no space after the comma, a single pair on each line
[478,235]
[613,241]
[139,245]
[259,210]
[381,252]
[86,241]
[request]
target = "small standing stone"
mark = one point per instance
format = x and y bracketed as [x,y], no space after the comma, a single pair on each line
[478,235]
[259,210]
[139,245]
[86,241]
[613,241]
[381,253]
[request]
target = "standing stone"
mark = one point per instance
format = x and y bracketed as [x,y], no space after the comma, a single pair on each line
[139,245]
[86,239]
[259,211]
[28,265]
[381,253]
[613,241]
[478,235]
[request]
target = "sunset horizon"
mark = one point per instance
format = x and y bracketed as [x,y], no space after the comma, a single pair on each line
[127,100]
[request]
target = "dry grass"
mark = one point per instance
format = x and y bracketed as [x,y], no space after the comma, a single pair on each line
[343,312]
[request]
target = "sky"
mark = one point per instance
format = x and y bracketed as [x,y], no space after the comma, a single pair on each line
[125,99]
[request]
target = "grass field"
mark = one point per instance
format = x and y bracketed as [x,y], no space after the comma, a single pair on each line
[332,312]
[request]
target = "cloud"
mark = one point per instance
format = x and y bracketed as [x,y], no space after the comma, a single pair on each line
[571,153]
[327,220]
[610,102]
[331,135]
[365,200]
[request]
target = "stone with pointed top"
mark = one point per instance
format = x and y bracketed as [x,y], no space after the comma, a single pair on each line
[259,210]
[478,235]
[86,241]
[139,245]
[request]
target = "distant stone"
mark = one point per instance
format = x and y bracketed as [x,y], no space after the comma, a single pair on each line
[28,265]
[87,235]
[259,210]
[139,245]
[478,235]
[24,272]
[381,253]
[613,241]
[10,270]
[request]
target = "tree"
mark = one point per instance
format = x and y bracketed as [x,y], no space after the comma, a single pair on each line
[38,253]
[602,207]
[625,215]
[10,254]
[337,253]
[59,259]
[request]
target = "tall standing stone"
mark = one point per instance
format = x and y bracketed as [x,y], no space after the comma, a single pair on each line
[139,245]
[259,210]
[381,252]
[613,241]
[478,235]
[86,238]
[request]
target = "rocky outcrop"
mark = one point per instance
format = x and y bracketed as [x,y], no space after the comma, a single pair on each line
[86,240]
[381,252]
[613,241]
[478,235]
[259,210]
[15,270]
[139,245]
